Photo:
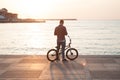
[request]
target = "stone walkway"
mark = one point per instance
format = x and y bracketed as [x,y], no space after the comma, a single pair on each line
[39,68]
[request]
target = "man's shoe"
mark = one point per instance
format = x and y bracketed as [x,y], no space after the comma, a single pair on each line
[64,60]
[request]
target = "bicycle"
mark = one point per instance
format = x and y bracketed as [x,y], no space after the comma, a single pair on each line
[71,53]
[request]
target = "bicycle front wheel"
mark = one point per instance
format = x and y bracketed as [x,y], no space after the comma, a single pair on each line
[52,55]
[72,53]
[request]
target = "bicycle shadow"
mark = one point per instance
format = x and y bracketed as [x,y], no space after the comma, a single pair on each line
[70,70]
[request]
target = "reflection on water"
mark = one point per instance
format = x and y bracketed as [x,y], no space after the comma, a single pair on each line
[89,37]
[27,38]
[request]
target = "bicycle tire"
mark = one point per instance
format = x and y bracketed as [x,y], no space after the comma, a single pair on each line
[72,54]
[52,55]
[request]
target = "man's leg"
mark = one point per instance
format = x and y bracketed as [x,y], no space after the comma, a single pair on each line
[58,47]
[63,50]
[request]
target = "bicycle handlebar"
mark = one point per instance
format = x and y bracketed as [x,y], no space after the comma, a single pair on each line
[69,39]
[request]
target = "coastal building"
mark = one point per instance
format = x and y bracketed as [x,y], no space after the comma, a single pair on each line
[2,17]
[6,16]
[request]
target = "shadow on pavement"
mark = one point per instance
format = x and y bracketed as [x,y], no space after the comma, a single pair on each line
[66,70]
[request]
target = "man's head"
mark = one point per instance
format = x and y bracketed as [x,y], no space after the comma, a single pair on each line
[61,22]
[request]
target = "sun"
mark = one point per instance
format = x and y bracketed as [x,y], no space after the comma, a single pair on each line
[35,8]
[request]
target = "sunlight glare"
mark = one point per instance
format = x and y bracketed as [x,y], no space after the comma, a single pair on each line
[36,8]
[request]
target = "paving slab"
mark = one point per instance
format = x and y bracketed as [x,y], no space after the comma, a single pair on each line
[100,60]
[33,61]
[21,74]
[4,65]
[105,74]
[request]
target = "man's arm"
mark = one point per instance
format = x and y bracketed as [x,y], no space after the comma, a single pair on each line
[66,32]
[55,32]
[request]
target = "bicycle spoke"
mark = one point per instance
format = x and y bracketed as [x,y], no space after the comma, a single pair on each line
[52,55]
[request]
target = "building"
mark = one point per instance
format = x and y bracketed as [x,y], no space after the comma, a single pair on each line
[5,15]
[2,17]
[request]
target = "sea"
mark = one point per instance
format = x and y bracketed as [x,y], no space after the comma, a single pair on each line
[89,37]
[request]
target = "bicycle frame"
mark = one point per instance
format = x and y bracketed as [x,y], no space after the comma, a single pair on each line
[66,47]
[69,45]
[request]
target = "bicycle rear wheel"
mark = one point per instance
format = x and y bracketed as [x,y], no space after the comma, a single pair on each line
[52,55]
[72,53]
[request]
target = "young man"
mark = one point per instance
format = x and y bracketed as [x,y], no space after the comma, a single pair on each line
[60,32]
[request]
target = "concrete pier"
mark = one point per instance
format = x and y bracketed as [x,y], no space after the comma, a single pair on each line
[37,67]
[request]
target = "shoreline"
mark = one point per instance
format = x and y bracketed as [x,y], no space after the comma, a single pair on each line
[22,21]
[80,56]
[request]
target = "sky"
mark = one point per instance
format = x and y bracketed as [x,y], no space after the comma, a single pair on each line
[79,9]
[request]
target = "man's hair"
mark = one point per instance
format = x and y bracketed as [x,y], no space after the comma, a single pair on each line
[61,21]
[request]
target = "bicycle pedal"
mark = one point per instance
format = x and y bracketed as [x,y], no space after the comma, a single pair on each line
[58,59]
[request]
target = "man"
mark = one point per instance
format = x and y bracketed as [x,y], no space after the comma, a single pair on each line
[60,32]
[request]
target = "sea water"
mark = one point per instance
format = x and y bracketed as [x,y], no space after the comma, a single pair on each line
[89,37]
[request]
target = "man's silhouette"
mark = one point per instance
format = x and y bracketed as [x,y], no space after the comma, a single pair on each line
[60,32]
